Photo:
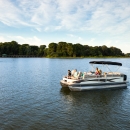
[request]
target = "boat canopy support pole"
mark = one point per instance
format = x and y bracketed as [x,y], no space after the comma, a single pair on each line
[92,67]
[118,68]
[108,68]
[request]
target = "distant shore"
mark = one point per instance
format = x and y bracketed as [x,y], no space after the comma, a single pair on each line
[59,50]
[33,56]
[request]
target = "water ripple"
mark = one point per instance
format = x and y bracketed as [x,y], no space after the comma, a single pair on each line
[31,98]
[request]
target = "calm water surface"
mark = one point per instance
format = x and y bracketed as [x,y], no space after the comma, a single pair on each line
[31,97]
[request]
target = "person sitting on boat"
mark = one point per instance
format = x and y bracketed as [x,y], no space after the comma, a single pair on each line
[72,73]
[80,75]
[97,71]
[100,72]
[75,73]
[69,74]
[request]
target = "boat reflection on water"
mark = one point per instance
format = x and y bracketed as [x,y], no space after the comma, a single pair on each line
[95,97]
[65,91]
[96,107]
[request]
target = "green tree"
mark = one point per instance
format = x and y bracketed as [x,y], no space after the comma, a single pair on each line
[78,50]
[52,50]
[41,51]
[24,49]
[34,50]
[105,51]
[62,49]
[116,51]
[70,49]
[9,48]
[86,50]
[14,48]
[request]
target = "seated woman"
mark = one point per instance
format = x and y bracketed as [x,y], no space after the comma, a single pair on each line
[75,73]
[72,73]
[97,71]
[80,75]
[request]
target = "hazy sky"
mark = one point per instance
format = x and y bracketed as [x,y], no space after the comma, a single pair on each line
[88,22]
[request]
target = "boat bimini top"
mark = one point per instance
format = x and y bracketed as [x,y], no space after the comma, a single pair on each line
[106,63]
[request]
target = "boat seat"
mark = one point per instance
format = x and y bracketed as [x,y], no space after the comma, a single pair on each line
[113,73]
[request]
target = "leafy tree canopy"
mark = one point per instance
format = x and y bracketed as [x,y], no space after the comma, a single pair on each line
[61,49]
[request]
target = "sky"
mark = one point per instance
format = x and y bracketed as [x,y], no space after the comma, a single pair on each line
[88,22]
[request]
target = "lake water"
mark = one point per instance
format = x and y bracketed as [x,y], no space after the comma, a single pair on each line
[31,97]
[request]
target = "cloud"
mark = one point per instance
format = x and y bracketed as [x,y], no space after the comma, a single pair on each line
[71,35]
[37,12]
[38,29]
[11,15]
[8,12]
[76,38]
[30,40]
[22,40]
[107,18]
[2,39]
[80,21]
[97,16]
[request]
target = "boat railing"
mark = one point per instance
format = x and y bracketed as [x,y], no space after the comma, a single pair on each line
[84,75]
[104,74]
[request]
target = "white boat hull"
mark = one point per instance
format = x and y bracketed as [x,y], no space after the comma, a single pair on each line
[83,88]
[94,83]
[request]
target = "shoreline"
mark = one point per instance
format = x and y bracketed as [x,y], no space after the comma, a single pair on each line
[65,57]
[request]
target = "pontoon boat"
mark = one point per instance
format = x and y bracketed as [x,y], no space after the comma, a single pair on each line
[91,81]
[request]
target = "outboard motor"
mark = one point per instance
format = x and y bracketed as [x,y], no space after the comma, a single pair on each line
[125,77]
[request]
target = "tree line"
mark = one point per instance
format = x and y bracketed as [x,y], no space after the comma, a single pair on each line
[61,49]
